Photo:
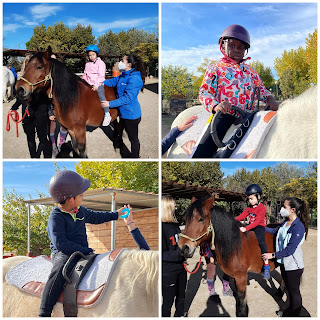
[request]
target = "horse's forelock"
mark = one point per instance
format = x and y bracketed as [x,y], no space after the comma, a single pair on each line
[196,205]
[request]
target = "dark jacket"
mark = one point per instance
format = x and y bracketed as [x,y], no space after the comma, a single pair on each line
[172,260]
[169,139]
[68,235]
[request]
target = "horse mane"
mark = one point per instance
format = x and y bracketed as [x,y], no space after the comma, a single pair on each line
[227,233]
[149,267]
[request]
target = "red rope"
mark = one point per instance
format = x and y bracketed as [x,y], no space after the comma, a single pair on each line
[195,270]
[15,117]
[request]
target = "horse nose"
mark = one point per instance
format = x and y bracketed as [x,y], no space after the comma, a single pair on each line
[186,251]
[21,92]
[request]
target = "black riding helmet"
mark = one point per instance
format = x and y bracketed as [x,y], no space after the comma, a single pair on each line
[254,189]
[67,184]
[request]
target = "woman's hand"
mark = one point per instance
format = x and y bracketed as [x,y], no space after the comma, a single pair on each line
[243,229]
[266,256]
[224,107]
[52,118]
[272,103]
[94,88]
[187,124]
[105,104]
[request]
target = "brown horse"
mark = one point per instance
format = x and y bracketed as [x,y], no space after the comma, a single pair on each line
[75,104]
[236,252]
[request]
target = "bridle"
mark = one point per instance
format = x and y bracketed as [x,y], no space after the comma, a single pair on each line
[48,77]
[209,229]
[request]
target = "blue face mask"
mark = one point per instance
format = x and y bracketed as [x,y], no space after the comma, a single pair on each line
[284,213]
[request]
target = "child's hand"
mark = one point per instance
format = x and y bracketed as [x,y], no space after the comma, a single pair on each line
[129,219]
[94,88]
[224,107]
[243,229]
[187,124]
[272,103]
[52,118]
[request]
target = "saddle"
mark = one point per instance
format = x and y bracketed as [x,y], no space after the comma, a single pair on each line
[85,286]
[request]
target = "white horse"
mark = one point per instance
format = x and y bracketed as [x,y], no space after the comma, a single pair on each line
[132,291]
[293,135]
[7,84]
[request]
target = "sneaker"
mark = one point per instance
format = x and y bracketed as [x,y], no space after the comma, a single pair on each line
[228,292]
[106,120]
[55,151]
[266,273]
[279,313]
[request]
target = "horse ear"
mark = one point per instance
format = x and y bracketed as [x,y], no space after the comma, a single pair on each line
[209,203]
[48,53]
[193,200]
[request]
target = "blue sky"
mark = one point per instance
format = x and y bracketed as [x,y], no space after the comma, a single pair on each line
[19,19]
[190,31]
[28,177]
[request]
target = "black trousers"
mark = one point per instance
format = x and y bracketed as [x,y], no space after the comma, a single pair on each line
[260,234]
[173,288]
[292,281]
[207,148]
[131,128]
[55,283]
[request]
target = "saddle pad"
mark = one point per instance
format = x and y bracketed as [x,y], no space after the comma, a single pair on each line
[193,133]
[250,144]
[34,273]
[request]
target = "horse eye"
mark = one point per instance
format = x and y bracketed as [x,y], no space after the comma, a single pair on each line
[39,67]
[201,219]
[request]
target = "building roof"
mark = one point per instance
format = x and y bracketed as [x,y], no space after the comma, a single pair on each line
[100,199]
[180,190]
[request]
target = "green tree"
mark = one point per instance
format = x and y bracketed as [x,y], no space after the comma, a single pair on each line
[139,176]
[312,56]
[265,73]
[176,80]
[205,174]
[15,221]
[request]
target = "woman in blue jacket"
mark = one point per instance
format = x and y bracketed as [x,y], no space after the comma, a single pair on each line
[128,86]
[290,236]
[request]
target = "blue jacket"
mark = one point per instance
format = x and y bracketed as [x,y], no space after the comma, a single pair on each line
[69,235]
[291,254]
[139,239]
[13,70]
[169,139]
[128,85]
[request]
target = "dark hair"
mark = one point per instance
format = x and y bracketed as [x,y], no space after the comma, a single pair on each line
[138,65]
[301,210]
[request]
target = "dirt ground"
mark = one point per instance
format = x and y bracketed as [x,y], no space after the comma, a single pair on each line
[260,294]
[99,145]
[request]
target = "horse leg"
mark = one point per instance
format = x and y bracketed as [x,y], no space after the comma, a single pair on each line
[242,309]
[80,137]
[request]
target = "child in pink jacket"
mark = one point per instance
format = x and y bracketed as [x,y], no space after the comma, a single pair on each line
[94,74]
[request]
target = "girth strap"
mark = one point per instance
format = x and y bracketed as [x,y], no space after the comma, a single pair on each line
[70,307]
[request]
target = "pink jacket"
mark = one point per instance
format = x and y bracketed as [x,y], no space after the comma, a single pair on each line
[227,81]
[94,72]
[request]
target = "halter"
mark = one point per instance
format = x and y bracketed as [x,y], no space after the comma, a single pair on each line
[48,77]
[209,229]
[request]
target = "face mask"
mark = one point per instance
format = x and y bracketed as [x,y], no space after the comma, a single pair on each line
[284,212]
[121,66]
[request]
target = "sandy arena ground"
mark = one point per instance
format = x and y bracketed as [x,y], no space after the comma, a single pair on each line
[99,145]
[259,292]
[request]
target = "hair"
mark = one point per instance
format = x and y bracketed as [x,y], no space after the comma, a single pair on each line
[137,64]
[301,211]
[168,206]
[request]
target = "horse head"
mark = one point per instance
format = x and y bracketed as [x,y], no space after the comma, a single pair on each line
[198,227]
[36,75]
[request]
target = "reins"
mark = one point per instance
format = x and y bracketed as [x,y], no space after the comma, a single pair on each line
[48,77]
[209,229]
[15,117]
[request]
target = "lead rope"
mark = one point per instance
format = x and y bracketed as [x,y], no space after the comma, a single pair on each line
[14,115]
[185,264]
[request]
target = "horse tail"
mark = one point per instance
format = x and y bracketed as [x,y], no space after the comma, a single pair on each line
[149,264]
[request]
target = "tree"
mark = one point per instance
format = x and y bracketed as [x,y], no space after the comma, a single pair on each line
[205,174]
[176,80]
[312,56]
[265,73]
[139,176]
[15,221]
[148,52]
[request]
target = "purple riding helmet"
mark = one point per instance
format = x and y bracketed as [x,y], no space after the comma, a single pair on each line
[67,184]
[237,32]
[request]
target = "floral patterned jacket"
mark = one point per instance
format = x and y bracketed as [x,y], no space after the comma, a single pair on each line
[228,81]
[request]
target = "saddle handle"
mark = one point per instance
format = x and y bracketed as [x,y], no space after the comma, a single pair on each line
[66,265]
[213,127]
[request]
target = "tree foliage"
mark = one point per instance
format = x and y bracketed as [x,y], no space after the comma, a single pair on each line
[206,174]
[265,73]
[139,176]
[312,56]
[176,80]
[15,221]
